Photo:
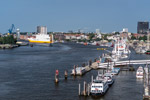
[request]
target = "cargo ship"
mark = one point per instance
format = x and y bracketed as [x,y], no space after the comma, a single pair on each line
[41,38]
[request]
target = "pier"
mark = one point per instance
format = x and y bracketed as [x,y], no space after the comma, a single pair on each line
[96,65]
[127,62]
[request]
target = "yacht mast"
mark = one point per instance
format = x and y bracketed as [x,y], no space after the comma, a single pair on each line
[148,40]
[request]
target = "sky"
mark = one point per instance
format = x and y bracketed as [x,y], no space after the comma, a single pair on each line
[64,15]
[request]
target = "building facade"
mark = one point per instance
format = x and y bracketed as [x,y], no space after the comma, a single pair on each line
[42,29]
[142,27]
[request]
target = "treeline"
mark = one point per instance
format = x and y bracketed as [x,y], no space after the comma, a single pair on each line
[144,38]
[8,40]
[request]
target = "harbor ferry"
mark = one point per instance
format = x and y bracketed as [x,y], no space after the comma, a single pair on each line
[99,86]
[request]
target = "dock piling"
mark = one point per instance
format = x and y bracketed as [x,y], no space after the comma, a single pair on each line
[84,91]
[66,74]
[92,78]
[79,89]
[88,89]
[56,76]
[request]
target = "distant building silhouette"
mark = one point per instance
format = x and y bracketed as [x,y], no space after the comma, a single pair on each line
[142,27]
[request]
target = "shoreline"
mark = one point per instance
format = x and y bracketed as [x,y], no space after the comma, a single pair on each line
[8,46]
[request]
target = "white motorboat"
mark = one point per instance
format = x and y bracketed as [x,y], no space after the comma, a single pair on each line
[110,79]
[115,71]
[139,72]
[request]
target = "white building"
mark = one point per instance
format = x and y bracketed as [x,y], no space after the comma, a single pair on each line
[18,33]
[125,30]
[98,32]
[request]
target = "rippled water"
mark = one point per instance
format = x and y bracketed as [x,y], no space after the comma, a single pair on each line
[27,73]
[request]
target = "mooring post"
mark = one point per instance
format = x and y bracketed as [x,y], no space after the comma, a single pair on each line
[74,70]
[66,74]
[79,89]
[57,76]
[92,78]
[84,91]
[88,89]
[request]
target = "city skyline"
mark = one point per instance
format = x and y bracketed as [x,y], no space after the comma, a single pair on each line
[65,15]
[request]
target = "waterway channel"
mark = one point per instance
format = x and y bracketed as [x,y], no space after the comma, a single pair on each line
[27,73]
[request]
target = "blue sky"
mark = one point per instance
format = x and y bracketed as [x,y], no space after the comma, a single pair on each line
[64,15]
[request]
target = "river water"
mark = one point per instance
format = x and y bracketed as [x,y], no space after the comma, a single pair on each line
[27,73]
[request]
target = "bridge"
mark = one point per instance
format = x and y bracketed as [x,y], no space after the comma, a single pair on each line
[127,62]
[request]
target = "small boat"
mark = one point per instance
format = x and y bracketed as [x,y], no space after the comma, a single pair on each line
[99,86]
[110,79]
[147,52]
[139,72]
[115,71]
[101,48]
[78,71]
[124,56]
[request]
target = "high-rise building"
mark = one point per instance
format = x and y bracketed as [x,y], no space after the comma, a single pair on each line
[42,29]
[143,27]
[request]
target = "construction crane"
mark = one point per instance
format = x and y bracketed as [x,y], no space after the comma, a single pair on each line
[11,29]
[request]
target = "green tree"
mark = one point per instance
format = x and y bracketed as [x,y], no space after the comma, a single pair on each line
[91,35]
[133,37]
[8,40]
[117,33]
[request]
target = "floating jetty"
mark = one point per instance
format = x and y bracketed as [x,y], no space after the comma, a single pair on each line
[79,71]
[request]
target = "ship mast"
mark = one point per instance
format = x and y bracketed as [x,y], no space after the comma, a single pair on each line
[148,40]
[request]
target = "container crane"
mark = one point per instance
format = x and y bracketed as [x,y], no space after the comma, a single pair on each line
[11,29]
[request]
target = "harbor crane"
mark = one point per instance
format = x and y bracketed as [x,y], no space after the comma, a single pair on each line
[11,29]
